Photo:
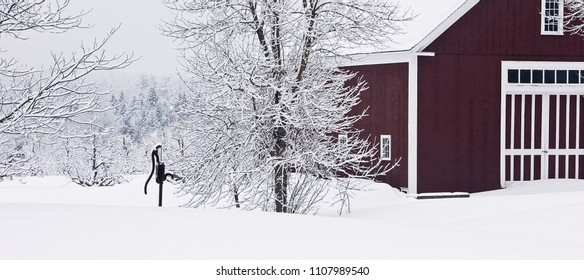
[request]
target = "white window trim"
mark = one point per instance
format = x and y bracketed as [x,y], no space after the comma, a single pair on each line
[381,157]
[343,140]
[560,19]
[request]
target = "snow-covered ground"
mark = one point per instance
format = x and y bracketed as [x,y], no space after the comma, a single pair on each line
[51,218]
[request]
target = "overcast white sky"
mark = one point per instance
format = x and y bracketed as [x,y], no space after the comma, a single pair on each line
[139,32]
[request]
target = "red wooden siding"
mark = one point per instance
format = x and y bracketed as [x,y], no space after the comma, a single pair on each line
[387,100]
[460,91]
[458,126]
[504,27]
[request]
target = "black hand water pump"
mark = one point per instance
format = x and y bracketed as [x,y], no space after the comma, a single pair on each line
[159,167]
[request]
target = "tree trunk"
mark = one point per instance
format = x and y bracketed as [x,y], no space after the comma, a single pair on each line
[236,197]
[94,159]
[281,175]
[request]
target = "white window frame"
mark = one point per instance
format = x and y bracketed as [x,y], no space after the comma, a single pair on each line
[382,144]
[559,18]
[343,140]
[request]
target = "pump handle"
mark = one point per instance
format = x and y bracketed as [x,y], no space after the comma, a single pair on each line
[155,160]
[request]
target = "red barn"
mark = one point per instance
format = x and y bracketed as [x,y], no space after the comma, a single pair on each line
[481,94]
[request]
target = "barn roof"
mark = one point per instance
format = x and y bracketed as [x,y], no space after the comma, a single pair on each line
[431,19]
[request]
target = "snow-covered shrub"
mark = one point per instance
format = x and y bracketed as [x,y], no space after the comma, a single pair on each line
[94,161]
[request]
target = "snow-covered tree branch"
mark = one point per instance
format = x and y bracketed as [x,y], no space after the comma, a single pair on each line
[267,103]
[574,16]
[19,16]
[94,161]
[42,99]
[39,100]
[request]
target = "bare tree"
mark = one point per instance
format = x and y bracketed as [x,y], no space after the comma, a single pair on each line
[16,157]
[40,100]
[19,16]
[95,160]
[267,103]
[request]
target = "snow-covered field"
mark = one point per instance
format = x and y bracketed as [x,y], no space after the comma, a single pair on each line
[51,218]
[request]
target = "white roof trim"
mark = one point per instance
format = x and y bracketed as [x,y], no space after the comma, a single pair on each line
[443,26]
[375,58]
[404,56]
[380,58]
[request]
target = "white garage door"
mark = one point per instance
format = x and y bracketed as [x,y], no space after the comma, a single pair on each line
[541,118]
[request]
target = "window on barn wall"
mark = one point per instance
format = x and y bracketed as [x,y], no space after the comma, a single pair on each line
[385,147]
[552,13]
[547,76]
[343,140]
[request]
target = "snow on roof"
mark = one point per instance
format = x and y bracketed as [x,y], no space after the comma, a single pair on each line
[429,16]
[432,18]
